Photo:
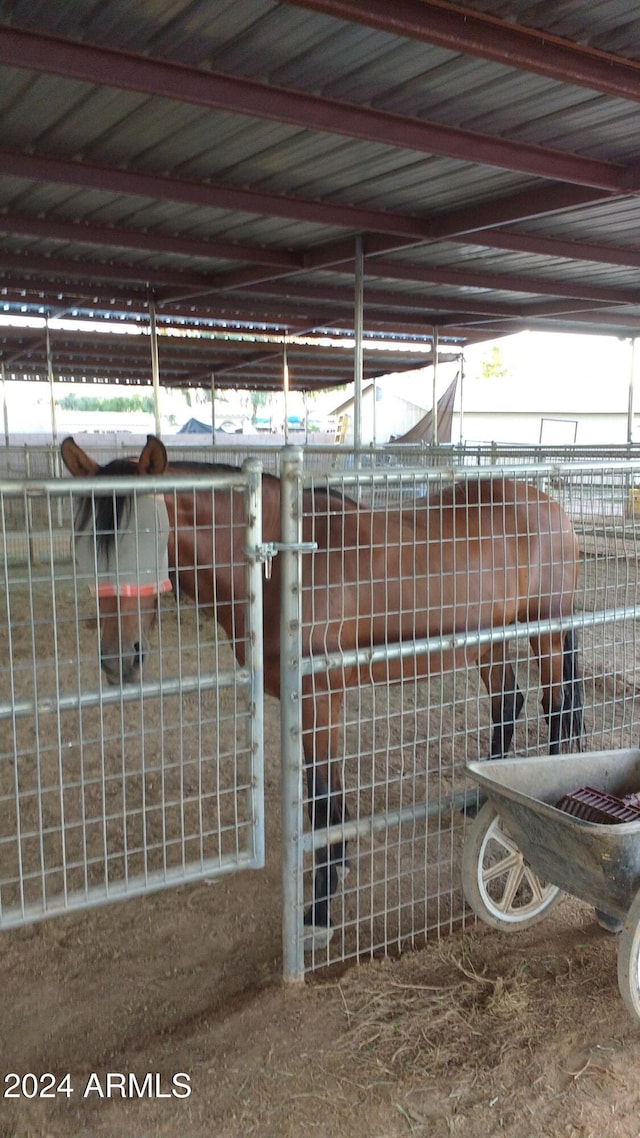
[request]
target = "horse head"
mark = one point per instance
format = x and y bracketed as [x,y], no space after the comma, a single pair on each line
[120,547]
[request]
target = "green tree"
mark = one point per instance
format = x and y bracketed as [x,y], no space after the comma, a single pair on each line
[258,399]
[73,402]
[492,365]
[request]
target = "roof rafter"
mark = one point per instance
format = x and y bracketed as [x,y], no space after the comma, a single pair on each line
[520,242]
[210,195]
[150,241]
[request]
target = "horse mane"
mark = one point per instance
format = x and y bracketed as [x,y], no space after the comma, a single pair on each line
[190,466]
[106,512]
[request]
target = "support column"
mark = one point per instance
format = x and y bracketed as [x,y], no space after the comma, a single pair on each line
[358,304]
[155,363]
[54,421]
[460,421]
[285,391]
[213,408]
[5,409]
[434,413]
[632,378]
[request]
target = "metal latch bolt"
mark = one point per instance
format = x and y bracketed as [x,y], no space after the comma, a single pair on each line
[268,550]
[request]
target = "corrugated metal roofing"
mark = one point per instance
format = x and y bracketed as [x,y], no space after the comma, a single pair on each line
[221,156]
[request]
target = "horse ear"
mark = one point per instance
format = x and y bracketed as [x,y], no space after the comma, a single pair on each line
[153,459]
[76,461]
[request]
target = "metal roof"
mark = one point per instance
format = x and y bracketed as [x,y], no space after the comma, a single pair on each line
[222,156]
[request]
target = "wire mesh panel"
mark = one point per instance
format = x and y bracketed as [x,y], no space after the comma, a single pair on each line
[400,603]
[113,783]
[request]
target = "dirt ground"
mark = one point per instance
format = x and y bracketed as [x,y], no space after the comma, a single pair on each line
[478,1034]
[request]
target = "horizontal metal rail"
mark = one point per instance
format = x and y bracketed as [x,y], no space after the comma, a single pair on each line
[49,705]
[15,915]
[429,646]
[456,473]
[366,827]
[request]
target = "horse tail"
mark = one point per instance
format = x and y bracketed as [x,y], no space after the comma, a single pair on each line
[572,692]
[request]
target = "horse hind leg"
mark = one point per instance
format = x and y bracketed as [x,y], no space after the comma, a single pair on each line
[326,807]
[506,700]
[549,652]
[573,695]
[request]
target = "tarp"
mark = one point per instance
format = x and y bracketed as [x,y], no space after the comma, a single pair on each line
[195,427]
[422,432]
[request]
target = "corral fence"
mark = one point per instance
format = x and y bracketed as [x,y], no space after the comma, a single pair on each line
[405,741]
[106,793]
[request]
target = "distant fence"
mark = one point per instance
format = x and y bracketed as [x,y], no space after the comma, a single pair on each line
[43,460]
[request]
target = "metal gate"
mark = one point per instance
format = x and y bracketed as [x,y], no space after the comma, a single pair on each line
[404,743]
[109,792]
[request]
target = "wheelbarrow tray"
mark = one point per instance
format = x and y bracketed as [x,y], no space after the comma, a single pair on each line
[599,863]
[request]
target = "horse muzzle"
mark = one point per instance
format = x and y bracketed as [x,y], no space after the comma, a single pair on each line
[123,667]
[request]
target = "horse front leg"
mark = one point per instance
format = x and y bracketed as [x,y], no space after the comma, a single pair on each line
[326,804]
[506,698]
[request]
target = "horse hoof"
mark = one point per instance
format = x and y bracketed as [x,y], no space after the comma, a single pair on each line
[342,871]
[316,937]
[606,921]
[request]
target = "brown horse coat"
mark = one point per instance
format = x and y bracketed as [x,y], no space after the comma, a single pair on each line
[477,555]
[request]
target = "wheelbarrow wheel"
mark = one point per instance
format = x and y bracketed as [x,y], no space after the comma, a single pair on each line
[629,959]
[498,883]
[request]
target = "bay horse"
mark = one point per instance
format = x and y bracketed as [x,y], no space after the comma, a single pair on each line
[476,555]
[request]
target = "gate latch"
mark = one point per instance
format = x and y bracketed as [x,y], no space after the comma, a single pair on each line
[270,549]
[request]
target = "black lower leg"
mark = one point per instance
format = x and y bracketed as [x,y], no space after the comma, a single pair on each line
[505,709]
[325,809]
[554,719]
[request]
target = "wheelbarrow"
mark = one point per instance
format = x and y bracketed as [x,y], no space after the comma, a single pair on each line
[521,852]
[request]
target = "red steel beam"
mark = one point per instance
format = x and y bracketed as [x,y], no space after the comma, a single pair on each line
[337,298]
[152,242]
[500,282]
[466,222]
[536,243]
[543,200]
[464,30]
[577,299]
[113,179]
[101,270]
[392,301]
[124,70]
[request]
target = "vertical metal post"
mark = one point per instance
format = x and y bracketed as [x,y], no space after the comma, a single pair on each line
[213,408]
[358,320]
[435,386]
[461,419]
[155,363]
[291,712]
[54,423]
[5,409]
[632,379]
[252,467]
[285,390]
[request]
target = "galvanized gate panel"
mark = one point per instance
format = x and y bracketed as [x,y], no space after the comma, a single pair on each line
[404,742]
[109,792]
